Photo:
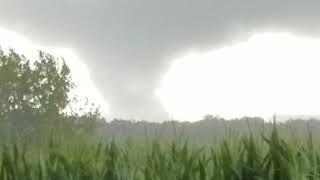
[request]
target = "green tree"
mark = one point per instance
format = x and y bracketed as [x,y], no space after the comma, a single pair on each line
[40,88]
[34,96]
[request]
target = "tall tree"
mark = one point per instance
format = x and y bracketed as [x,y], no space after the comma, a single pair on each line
[40,88]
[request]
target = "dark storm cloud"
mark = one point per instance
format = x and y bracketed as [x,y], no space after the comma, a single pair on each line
[128,44]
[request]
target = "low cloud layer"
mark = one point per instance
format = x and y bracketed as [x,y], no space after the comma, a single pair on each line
[129,44]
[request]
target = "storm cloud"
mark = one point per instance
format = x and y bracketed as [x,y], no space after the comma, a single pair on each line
[129,44]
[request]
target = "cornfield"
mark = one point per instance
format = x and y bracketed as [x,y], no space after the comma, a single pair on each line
[266,156]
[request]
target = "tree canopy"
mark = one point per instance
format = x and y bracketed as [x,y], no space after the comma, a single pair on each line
[40,87]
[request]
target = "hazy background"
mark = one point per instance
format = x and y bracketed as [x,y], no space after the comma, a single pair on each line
[129,45]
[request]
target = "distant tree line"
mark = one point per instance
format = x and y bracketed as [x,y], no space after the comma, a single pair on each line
[206,131]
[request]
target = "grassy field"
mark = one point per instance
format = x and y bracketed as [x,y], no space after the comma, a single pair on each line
[270,156]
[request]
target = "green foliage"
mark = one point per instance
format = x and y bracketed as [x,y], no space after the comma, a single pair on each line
[237,157]
[34,96]
[40,88]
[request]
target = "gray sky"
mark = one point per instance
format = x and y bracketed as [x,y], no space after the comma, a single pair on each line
[128,44]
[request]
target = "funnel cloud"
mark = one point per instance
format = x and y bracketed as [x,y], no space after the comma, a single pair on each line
[128,45]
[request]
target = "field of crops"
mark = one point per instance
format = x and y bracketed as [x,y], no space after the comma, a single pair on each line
[237,157]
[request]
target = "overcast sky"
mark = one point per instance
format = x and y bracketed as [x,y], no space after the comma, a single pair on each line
[128,45]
